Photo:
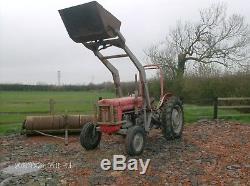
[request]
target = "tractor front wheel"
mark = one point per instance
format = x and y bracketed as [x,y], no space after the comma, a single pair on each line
[172,118]
[135,140]
[90,137]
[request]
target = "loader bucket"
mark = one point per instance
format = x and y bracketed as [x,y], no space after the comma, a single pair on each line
[89,22]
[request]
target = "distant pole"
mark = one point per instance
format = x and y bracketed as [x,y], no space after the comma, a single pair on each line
[51,106]
[59,78]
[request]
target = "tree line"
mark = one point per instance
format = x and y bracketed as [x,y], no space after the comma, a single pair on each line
[199,87]
[45,87]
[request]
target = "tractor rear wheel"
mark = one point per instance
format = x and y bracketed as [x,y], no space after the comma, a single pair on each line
[135,140]
[89,137]
[172,118]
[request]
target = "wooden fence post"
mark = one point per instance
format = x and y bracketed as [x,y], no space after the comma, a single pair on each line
[215,107]
[51,106]
[66,126]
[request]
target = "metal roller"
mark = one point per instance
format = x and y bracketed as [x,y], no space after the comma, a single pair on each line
[56,122]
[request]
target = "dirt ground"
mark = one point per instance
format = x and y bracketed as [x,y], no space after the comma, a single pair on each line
[209,153]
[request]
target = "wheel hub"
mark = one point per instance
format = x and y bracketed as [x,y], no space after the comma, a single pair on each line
[138,142]
[177,119]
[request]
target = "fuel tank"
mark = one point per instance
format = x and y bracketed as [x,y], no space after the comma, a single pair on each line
[124,103]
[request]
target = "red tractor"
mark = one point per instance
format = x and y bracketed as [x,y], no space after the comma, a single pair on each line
[133,116]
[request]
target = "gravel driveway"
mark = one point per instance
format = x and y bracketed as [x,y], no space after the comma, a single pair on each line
[209,153]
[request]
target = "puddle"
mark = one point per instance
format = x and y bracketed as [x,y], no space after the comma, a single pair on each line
[22,168]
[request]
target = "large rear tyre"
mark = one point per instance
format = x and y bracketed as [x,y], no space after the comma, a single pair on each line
[89,137]
[172,118]
[135,140]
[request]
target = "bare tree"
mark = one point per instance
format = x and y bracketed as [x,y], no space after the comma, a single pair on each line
[164,54]
[215,38]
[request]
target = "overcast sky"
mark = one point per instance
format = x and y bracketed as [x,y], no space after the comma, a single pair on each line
[34,43]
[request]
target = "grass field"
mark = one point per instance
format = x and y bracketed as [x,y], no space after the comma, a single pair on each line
[195,112]
[16,105]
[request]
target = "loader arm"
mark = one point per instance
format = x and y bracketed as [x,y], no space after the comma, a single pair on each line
[97,29]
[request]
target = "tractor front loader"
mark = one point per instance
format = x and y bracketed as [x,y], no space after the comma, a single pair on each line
[133,116]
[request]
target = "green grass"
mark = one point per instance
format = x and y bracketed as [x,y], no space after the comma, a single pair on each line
[194,113]
[38,101]
[16,105]
[10,128]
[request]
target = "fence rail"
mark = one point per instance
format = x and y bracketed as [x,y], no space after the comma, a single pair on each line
[217,105]
[233,98]
[16,111]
